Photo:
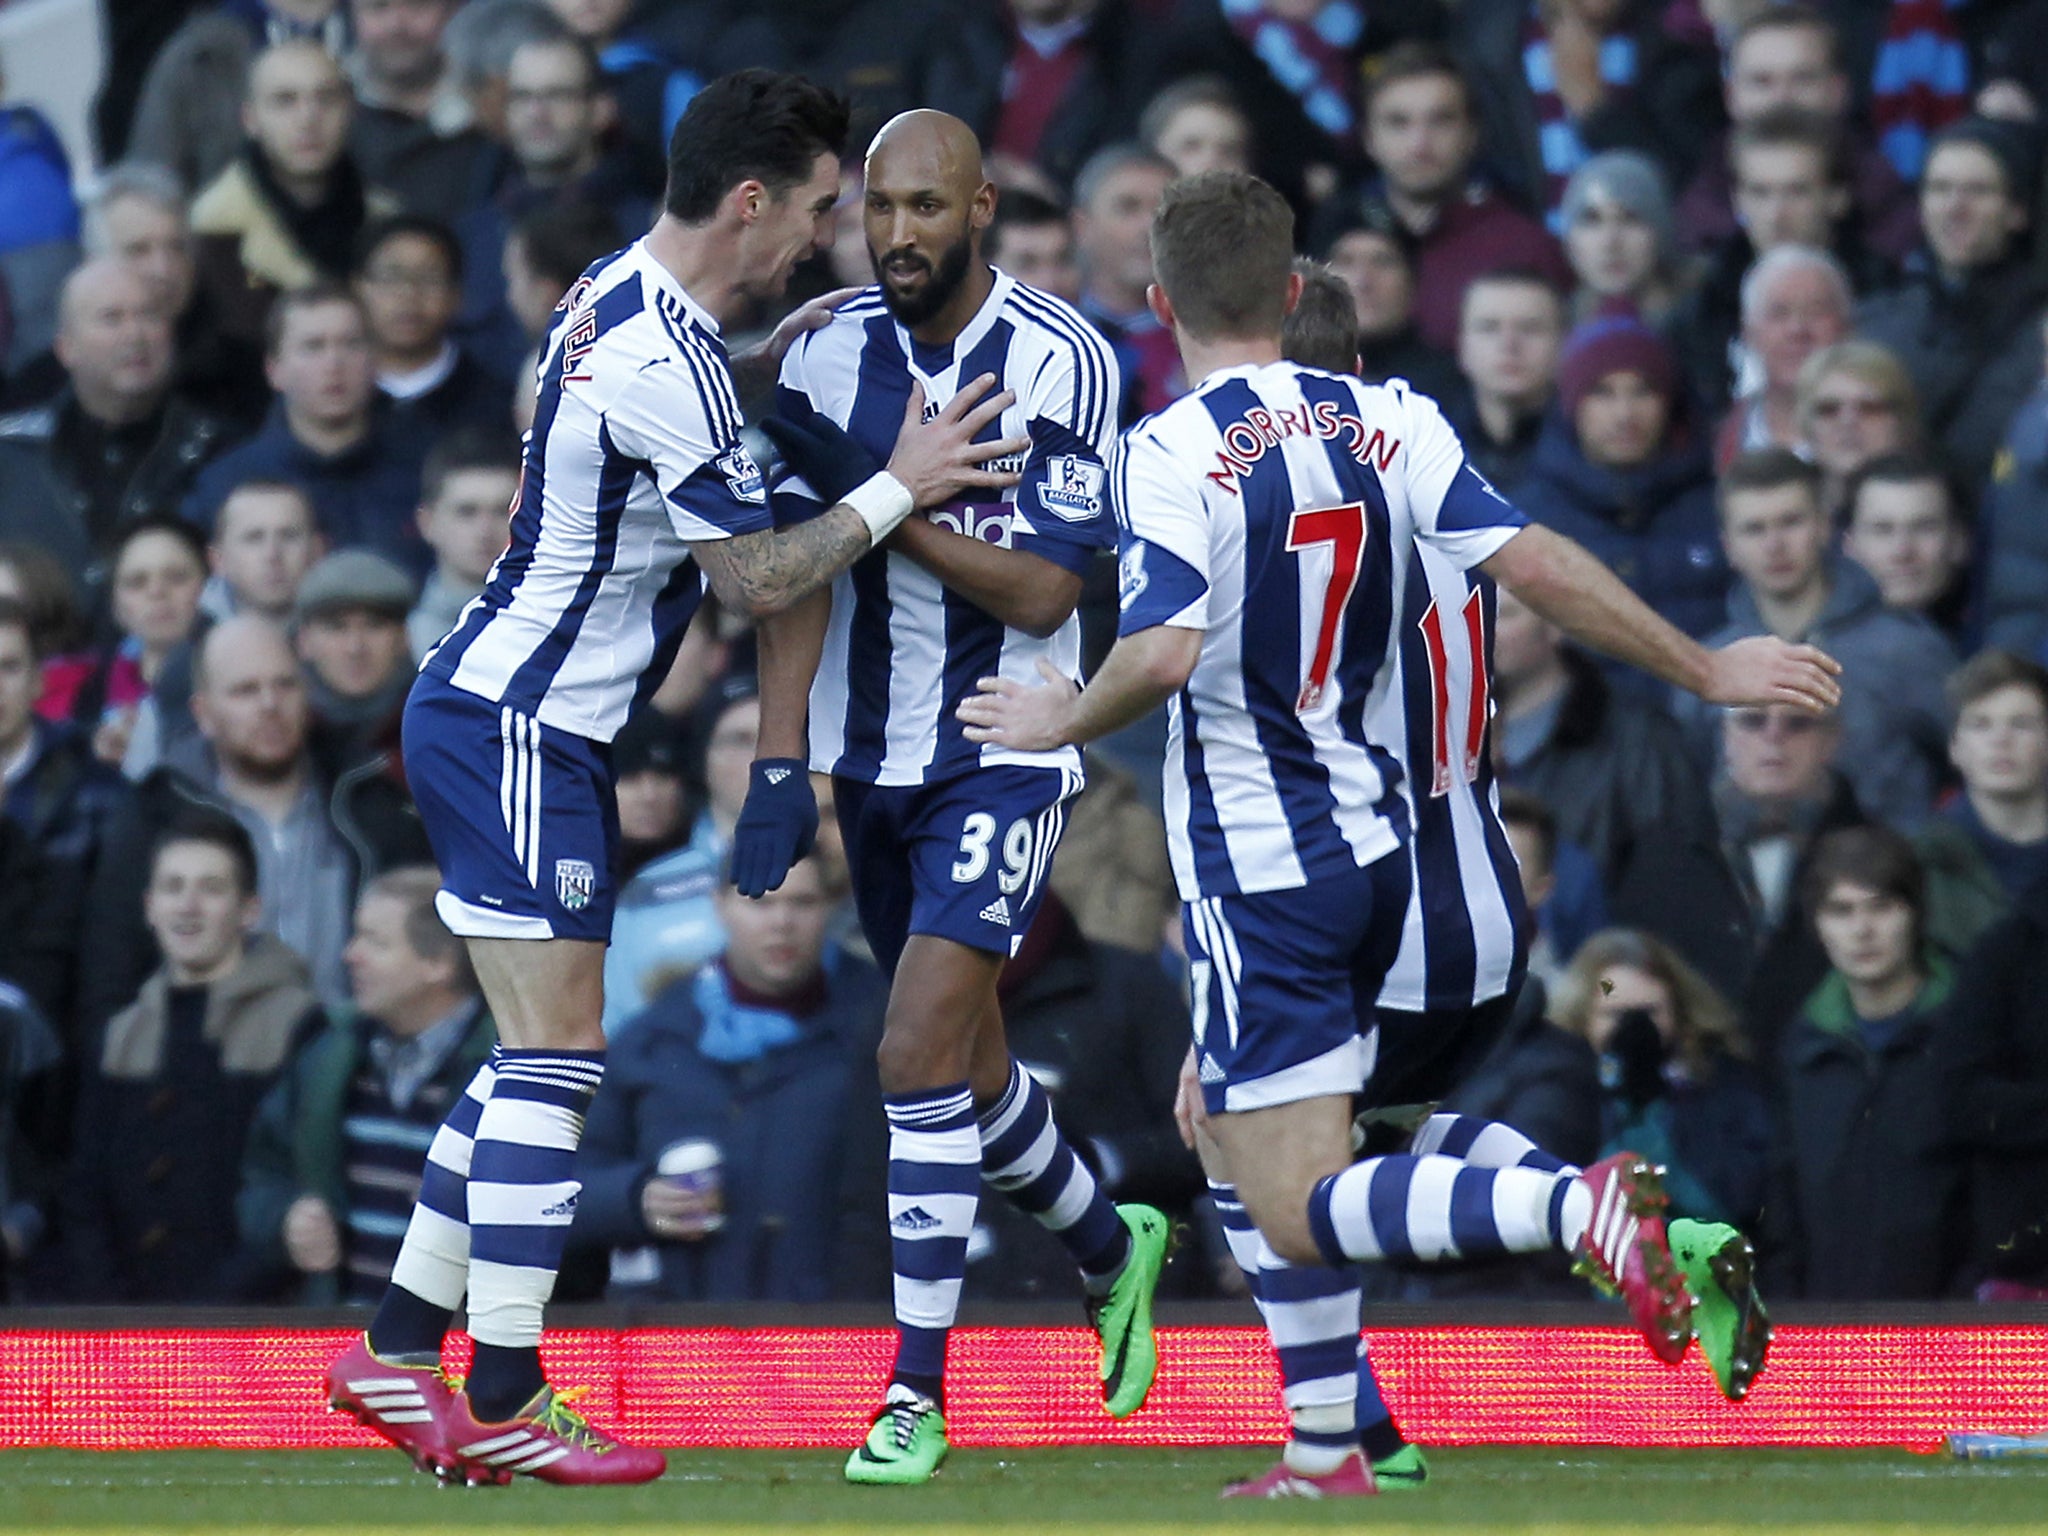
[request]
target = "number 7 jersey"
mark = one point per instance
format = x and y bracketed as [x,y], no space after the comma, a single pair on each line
[1276,508]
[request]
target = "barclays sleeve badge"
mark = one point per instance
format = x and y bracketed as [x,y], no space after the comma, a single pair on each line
[1072,488]
[742,474]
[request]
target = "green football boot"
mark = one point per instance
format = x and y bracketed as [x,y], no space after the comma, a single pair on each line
[905,1445]
[1734,1330]
[1123,1318]
[1406,1469]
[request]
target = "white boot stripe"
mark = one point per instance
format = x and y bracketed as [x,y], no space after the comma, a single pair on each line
[546,1458]
[384,1384]
[497,1443]
[394,1400]
[407,1416]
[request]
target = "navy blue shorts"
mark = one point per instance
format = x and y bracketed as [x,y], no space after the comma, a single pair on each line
[521,817]
[1284,982]
[964,859]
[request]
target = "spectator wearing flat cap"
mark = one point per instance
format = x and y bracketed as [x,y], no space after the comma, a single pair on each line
[349,629]
[1964,320]
[1619,469]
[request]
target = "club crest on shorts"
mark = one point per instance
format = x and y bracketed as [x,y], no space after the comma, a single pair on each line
[575,883]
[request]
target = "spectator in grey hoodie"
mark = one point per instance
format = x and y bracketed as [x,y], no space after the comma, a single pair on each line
[1894,719]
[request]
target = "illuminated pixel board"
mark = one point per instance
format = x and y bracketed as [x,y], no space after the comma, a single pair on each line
[1038,1386]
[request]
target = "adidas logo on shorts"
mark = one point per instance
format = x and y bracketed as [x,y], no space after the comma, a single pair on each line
[1207,1071]
[997,911]
[916,1219]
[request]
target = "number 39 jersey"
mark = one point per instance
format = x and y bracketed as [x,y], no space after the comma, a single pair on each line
[1461,939]
[1275,508]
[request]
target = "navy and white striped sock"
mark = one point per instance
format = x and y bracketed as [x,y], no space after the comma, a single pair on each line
[1483,1144]
[1312,1315]
[1435,1209]
[1024,1155]
[431,1273]
[522,1197]
[934,1188]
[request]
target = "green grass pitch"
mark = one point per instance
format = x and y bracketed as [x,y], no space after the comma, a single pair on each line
[1127,1492]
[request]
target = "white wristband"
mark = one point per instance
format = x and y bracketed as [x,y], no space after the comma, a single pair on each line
[882,502]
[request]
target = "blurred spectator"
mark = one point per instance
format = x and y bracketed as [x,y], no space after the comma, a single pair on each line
[1966,321]
[648,87]
[545,253]
[1617,470]
[1031,239]
[756,1053]
[31,1060]
[1196,125]
[466,493]
[408,274]
[1790,55]
[1990,845]
[1795,301]
[479,40]
[1510,332]
[1569,80]
[1111,871]
[1853,405]
[1115,196]
[335,1153]
[188,116]
[358,465]
[150,1210]
[1422,131]
[138,215]
[31,576]
[265,539]
[38,231]
[1613,772]
[159,572]
[1893,717]
[1675,1084]
[1905,526]
[115,443]
[1375,256]
[1731,907]
[348,626]
[557,114]
[2014,556]
[1532,835]
[412,133]
[1991,1056]
[1616,216]
[1870,1204]
[1045,82]
[318,835]
[284,216]
[667,922]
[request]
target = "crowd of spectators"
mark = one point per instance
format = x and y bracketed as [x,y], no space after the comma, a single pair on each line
[1747,296]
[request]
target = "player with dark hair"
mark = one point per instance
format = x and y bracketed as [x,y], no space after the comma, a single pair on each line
[636,496]
[949,842]
[1268,520]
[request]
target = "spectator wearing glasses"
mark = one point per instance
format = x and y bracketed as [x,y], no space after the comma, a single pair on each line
[408,274]
[1893,716]
[1855,404]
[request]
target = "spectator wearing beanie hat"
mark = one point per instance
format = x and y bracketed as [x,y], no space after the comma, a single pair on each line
[1963,322]
[1619,238]
[1617,470]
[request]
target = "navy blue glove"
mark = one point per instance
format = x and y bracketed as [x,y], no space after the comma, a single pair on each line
[828,458]
[777,825]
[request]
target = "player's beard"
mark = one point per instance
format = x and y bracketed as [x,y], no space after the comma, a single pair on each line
[944,281]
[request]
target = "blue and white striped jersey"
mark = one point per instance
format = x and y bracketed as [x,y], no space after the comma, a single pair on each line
[634,455]
[1275,509]
[1461,942]
[902,651]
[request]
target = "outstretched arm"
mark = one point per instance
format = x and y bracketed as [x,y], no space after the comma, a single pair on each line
[1567,585]
[1141,672]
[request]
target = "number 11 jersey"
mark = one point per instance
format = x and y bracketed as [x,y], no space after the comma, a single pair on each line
[1276,508]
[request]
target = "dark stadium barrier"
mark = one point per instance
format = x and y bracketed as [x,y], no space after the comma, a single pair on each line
[154,1387]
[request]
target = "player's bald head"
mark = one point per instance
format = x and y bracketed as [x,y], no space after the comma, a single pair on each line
[927,149]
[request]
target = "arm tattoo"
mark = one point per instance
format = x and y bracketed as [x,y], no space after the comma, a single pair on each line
[763,573]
